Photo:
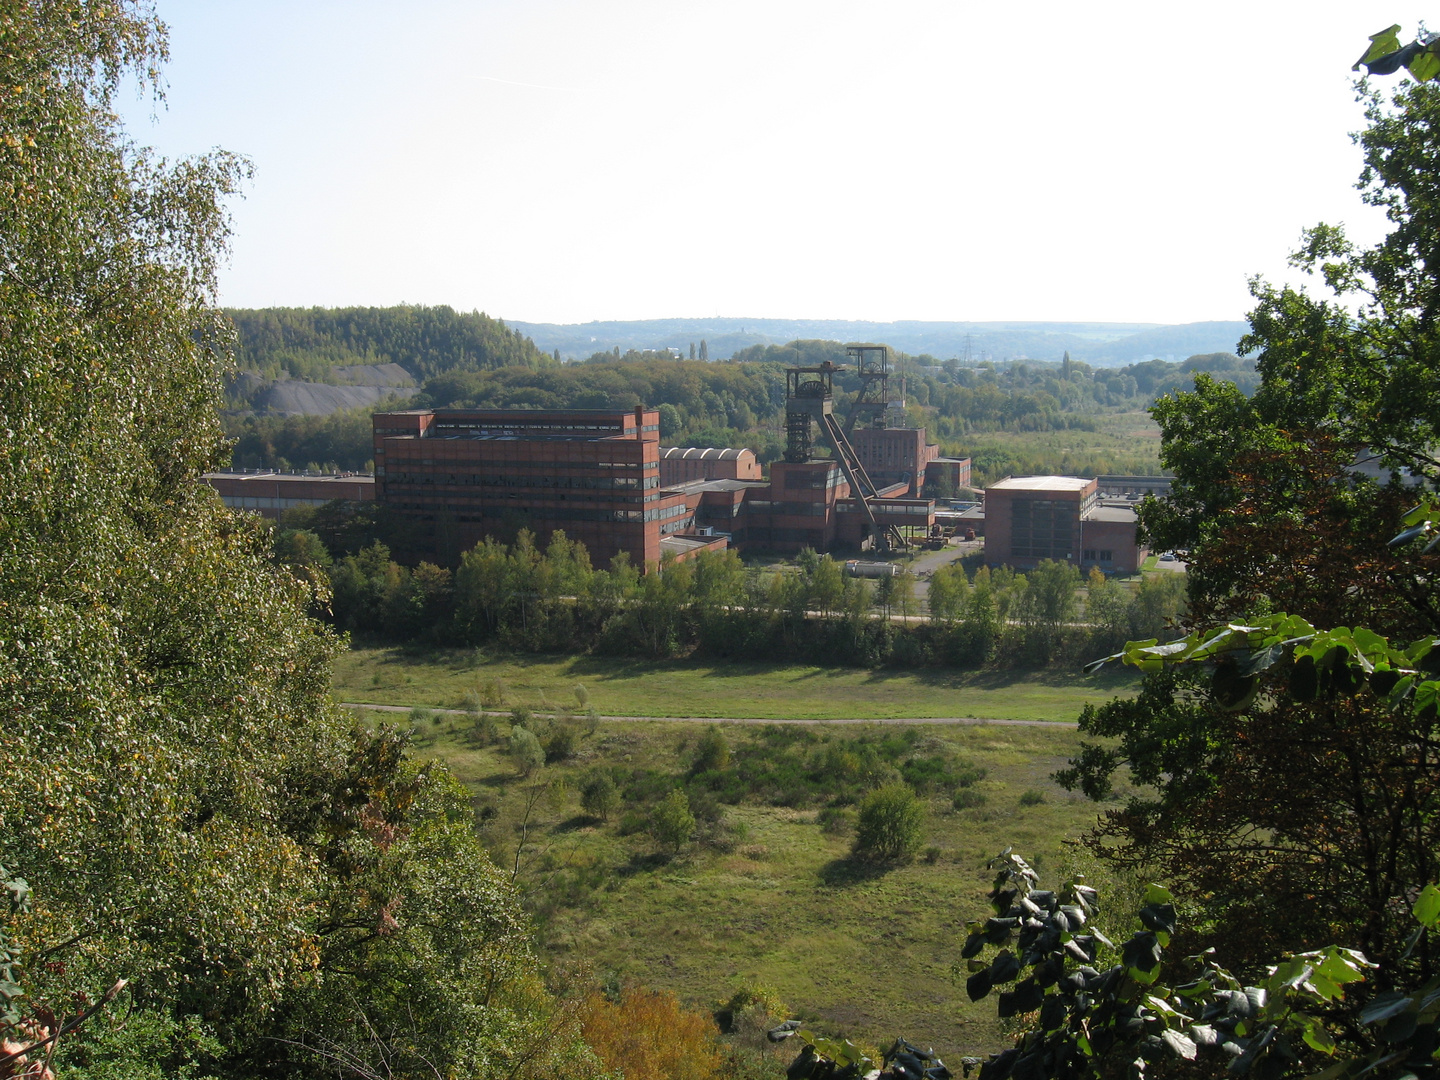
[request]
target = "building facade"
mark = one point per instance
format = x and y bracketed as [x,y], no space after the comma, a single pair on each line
[466,474]
[894,455]
[681,464]
[271,493]
[1032,518]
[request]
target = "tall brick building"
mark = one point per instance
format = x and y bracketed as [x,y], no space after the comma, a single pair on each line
[1032,518]
[465,474]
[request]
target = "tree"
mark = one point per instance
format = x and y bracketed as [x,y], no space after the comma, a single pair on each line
[191,809]
[525,750]
[671,822]
[1294,798]
[890,824]
[599,797]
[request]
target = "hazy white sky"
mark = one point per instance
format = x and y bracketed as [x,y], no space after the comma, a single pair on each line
[569,160]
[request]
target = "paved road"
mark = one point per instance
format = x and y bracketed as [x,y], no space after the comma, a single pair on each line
[757,720]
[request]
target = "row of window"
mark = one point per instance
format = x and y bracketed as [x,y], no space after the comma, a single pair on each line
[557,513]
[547,480]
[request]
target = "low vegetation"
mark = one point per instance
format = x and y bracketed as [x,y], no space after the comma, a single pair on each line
[766,890]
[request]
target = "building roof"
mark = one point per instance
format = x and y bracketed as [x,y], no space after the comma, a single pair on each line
[1041,483]
[680,545]
[268,476]
[1112,513]
[707,453]
[715,485]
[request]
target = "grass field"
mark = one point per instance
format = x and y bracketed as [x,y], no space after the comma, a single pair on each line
[857,950]
[442,678]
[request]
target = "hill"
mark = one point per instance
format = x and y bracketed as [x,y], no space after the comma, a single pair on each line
[315,361]
[1099,343]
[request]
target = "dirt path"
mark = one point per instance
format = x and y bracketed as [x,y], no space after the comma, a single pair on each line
[737,720]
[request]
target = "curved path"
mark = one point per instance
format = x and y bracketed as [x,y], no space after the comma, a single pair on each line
[749,720]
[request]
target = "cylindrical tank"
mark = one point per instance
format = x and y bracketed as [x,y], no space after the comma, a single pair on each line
[856,568]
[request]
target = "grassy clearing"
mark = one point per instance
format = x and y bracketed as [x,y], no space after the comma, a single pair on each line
[858,950]
[442,677]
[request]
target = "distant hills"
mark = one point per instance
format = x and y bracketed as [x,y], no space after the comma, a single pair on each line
[1099,344]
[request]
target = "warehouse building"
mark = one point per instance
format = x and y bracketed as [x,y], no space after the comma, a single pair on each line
[1032,518]
[465,474]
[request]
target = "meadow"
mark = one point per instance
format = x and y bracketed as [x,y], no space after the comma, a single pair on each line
[767,895]
[441,678]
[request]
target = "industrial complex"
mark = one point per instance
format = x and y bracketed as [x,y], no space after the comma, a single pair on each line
[601,476]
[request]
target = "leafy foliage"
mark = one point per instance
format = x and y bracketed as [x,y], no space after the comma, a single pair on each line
[426,341]
[890,824]
[650,1036]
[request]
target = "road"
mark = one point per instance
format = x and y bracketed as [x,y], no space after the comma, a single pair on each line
[973,720]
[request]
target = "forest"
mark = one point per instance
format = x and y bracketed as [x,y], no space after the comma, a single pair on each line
[212,870]
[741,403]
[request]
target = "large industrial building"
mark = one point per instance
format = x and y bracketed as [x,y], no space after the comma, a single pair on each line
[465,474]
[462,475]
[1032,518]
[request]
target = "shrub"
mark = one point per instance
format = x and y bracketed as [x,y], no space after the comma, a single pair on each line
[834,821]
[599,797]
[560,746]
[712,752]
[582,696]
[420,716]
[525,751]
[492,693]
[471,703]
[1032,798]
[890,823]
[671,822]
[650,1036]
[967,798]
[932,855]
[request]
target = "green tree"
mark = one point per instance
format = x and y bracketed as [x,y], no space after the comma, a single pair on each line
[599,797]
[192,810]
[671,822]
[712,751]
[525,750]
[1291,797]
[949,590]
[890,824]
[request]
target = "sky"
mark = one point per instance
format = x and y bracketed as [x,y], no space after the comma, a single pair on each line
[577,160]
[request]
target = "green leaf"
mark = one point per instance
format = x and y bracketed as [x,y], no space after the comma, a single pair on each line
[1427,907]
[1381,44]
[1425,66]
[1158,894]
[1315,1034]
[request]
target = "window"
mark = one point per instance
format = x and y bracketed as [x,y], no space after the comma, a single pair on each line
[1105,556]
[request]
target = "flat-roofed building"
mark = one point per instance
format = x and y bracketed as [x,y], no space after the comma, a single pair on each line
[464,474]
[1032,518]
[271,493]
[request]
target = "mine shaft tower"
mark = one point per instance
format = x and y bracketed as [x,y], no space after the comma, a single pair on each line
[810,396]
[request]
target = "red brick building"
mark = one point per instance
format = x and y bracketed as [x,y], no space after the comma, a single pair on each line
[894,455]
[681,464]
[1032,518]
[465,474]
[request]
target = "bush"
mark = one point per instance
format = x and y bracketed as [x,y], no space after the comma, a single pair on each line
[890,824]
[420,716]
[967,798]
[525,751]
[599,797]
[1032,798]
[834,821]
[650,1037]
[712,753]
[671,822]
[560,746]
